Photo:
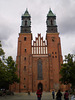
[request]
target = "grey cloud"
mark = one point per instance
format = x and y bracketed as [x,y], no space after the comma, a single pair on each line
[73,51]
[66,20]
[65,2]
[38,9]
[5,32]
[67,26]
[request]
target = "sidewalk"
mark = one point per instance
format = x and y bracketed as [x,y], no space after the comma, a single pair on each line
[25,96]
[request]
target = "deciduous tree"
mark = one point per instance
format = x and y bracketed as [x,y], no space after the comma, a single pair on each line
[68,70]
[7,70]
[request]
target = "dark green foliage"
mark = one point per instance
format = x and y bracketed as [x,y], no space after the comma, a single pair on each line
[1,50]
[7,70]
[11,70]
[68,70]
[9,92]
[1,93]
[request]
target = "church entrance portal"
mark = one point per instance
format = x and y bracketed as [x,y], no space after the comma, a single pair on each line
[40,85]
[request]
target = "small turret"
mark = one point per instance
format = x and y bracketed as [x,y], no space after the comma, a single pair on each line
[51,22]
[26,22]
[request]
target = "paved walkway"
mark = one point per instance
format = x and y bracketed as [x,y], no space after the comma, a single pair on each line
[25,96]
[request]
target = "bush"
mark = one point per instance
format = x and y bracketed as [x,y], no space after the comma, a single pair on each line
[1,93]
[9,92]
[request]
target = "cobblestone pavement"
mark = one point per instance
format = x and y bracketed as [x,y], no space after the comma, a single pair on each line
[25,96]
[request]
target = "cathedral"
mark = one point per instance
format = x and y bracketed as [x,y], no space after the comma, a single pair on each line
[39,61]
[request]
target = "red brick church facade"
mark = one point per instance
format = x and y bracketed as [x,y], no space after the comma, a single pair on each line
[38,64]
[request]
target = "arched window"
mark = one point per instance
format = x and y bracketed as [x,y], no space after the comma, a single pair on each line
[39,67]
[25,23]
[40,85]
[51,22]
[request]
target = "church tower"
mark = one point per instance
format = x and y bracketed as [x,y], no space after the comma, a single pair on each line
[54,50]
[51,22]
[26,23]
[24,51]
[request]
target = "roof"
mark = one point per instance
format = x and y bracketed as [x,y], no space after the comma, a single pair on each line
[26,13]
[50,13]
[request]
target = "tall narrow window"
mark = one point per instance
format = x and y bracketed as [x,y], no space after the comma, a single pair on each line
[24,86]
[51,22]
[25,49]
[24,58]
[55,56]
[24,78]
[40,76]
[25,38]
[25,68]
[53,40]
[52,52]
[25,22]
[55,52]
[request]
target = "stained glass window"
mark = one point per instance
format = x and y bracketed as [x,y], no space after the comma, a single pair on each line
[40,76]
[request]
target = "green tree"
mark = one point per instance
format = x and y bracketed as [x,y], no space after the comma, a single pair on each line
[68,70]
[2,67]
[1,50]
[2,74]
[11,70]
[7,70]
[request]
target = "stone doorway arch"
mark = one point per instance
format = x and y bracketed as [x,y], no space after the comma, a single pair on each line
[40,85]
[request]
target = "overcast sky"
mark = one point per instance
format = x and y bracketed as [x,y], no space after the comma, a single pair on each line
[10,22]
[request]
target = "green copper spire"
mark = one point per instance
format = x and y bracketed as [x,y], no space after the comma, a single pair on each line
[26,13]
[26,22]
[50,13]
